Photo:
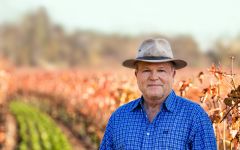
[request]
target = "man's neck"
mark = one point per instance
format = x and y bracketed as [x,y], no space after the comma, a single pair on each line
[152,106]
[152,109]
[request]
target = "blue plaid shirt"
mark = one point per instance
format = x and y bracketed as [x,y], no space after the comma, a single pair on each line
[180,125]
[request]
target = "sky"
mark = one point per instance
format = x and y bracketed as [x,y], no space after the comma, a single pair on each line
[205,20]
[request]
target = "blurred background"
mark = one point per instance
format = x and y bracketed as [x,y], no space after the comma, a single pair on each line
[63,58]
[79,33]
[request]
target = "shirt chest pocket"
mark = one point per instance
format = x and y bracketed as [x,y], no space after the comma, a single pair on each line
[171,139]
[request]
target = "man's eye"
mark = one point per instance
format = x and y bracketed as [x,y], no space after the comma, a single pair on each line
[161,70]
[146,70]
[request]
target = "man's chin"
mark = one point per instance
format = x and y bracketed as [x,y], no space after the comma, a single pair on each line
[156,97]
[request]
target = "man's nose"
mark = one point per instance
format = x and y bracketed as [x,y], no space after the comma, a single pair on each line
[154,75]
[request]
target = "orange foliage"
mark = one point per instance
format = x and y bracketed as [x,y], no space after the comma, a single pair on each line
[96,95]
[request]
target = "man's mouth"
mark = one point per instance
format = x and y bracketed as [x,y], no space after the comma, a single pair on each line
[154,85]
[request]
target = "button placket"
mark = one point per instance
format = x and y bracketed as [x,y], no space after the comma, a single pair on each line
[148,136]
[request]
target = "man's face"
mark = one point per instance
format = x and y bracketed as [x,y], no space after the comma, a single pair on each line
[155,79]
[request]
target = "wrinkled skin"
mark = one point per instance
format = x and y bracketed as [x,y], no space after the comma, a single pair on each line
[155,81]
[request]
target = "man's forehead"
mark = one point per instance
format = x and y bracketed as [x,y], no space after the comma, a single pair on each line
[158,64]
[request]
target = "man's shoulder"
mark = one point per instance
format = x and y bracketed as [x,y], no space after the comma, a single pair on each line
[126,108]
[185,101]
[123,113]
[189,105]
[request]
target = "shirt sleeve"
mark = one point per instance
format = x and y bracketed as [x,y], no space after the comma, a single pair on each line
[203,137]
[107,141]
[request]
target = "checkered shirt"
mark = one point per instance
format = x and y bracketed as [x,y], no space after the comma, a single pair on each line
[180,125]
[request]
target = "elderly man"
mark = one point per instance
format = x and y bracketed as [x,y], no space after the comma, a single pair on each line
[160,119]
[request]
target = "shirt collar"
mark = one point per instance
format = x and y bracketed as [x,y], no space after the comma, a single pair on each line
[169,103]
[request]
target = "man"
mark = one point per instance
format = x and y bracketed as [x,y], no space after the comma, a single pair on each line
[159,120]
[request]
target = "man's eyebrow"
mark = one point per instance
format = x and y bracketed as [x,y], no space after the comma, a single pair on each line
[145,67]
[162,67]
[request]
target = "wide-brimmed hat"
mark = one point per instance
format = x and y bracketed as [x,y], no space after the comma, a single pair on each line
[154,51]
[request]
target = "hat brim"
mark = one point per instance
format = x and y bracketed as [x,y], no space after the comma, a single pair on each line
[131,63]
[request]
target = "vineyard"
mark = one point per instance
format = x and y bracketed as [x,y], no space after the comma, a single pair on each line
[83,100]
[36,130]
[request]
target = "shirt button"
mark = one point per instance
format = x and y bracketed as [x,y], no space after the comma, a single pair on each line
[148,133]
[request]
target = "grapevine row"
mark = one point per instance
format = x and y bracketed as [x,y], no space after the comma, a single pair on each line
[37,130]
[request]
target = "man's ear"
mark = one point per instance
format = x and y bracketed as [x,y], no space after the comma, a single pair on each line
[135,72]
[174,73]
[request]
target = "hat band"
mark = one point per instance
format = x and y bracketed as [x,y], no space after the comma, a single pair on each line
[153,58]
